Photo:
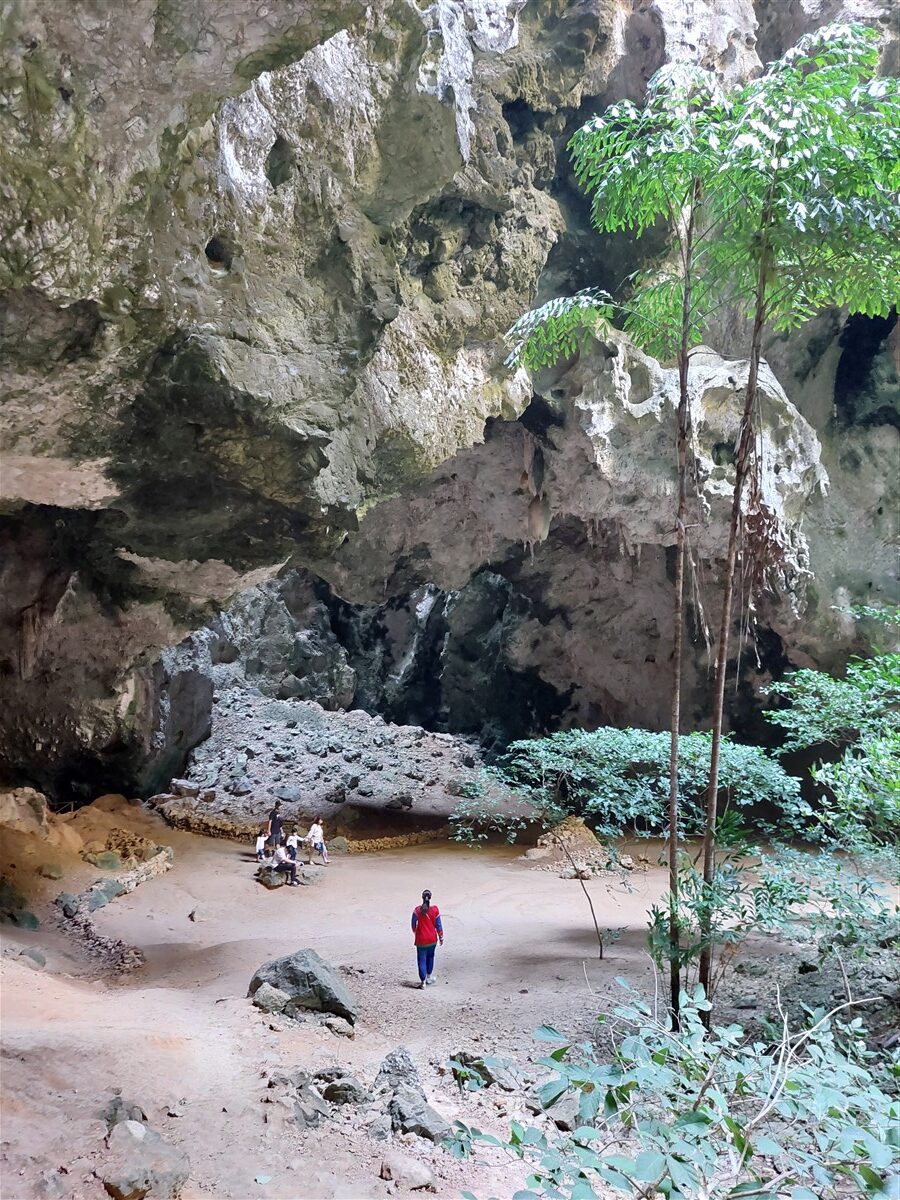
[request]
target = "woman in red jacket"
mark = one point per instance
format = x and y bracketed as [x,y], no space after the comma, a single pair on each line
[427,932]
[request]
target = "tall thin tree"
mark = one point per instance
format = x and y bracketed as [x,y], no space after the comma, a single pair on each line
[807,217]
[640,166]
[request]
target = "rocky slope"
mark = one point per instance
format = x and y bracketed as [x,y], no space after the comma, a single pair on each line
[256,261]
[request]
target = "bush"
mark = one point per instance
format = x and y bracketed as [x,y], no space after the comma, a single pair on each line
[619,778]
[693,1114]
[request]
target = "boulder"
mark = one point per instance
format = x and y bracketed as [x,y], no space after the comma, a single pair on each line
[398,1070]
[406,1171]
[339,1027]
[33,957]
[50,1186]
[100,893]
[338,845]
[270,999]
[347,1090]
[410,1112]
[68,903]
[106,860]
[119,1109]
[184,787]
[50,871]
[305,1104]
[310,983]
[270,878]
[25,811]
[142,1164]
[310,874]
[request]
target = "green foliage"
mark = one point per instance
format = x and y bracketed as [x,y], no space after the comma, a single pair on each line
[809,161]
[824,899]
[477,818]
[859,806]
[618,778]
[695,1114]
[864,704]
[862,803]
[557,328]
[799,165]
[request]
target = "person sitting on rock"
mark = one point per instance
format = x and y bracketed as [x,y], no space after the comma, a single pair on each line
[285,866]
[292,841]
[261,845]
[315,842]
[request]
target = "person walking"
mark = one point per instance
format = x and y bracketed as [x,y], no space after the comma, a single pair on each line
[427,932]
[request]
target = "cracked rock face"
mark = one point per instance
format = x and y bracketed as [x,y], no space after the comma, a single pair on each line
[256,260]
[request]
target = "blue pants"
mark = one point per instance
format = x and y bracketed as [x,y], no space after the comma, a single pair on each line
[425,955]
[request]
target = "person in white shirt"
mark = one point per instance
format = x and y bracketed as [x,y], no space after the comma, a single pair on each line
[315,842]
[292,842]
[260,846]
[284,865]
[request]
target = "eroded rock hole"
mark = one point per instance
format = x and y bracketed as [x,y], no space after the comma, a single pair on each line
[280,162]
[219,253]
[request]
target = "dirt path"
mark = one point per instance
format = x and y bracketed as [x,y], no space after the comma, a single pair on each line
[180,1036]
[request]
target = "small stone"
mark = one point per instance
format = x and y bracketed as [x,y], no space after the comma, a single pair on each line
[405,1170]
[200,912]
[184,787]
[50,871]
[270,999]
[33,958]
[68,903]
[339,1027]
[106,860]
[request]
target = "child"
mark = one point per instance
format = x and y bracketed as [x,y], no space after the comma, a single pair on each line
[315,841]
[260,845]
[292,842]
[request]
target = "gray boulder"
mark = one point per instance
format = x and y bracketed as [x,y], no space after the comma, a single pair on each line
[398,1070]
[142,1164]
[100,893]
[309,982]
[410,1112]
[307,1108]
[347,1090]
[308,875]
[270,878]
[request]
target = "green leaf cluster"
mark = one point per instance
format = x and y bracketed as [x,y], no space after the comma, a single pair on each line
[618,779]
[798,168]
[695,1113]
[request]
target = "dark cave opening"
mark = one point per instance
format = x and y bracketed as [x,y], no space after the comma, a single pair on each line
[867,379]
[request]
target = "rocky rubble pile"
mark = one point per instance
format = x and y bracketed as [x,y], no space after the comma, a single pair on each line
[334,764]
[573,851]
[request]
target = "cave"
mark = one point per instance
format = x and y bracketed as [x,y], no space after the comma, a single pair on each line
[354,735]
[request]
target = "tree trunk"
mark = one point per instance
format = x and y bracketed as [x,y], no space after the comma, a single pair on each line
[741,469]
[682,424]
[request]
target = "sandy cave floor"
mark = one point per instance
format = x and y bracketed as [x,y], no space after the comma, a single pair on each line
[180,1034]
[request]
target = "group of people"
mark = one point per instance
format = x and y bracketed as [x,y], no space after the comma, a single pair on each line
[278,848]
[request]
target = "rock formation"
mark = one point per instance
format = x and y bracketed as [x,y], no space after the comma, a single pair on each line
[256,263]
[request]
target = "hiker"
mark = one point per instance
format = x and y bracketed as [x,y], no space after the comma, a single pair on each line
[260,845]
[285,866]
[275,827]
[427,932]
[315,842]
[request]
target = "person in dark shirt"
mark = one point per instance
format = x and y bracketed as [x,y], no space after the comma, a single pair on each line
[427,932]
[275,827]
